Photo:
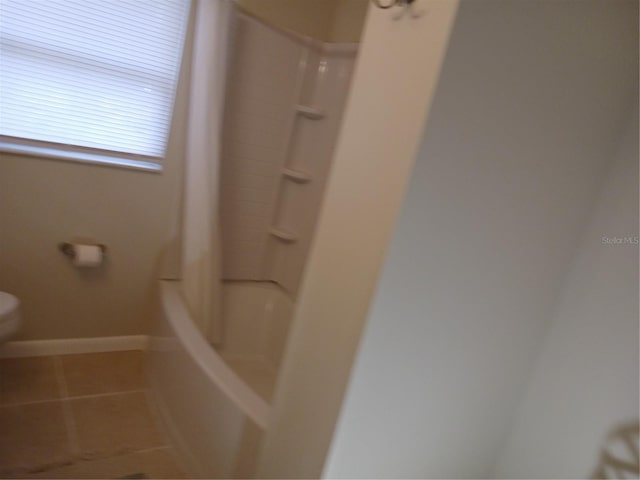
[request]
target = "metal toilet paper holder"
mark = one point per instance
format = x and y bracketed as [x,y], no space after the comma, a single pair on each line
[69,250]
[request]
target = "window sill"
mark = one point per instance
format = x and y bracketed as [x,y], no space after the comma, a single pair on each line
[80,157]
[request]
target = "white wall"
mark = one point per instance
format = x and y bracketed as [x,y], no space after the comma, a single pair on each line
[586,378]
[270,73]
[310,148]
[527,114]
[371,165]
[261,90]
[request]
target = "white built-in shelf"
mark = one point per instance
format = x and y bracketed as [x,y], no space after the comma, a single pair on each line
[296,175]
[284,235]
[310,112]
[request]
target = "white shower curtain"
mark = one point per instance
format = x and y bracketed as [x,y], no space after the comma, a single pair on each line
[201,249]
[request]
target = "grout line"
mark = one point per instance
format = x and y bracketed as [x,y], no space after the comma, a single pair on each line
[107,394]
[62,383]
[32,402]
[124,453]
[151,449]
[75,397]
[69,419]
[71,428]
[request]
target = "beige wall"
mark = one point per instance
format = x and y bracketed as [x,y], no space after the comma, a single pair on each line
[327,20]
[348,20]
[44,202]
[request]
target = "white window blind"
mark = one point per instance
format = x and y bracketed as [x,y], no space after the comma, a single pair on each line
[99,74]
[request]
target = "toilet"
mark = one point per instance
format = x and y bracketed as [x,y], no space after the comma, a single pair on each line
[9,316]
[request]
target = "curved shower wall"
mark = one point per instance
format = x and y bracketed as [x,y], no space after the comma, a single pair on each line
[284,104]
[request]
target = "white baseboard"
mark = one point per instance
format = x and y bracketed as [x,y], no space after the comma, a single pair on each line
[65,346]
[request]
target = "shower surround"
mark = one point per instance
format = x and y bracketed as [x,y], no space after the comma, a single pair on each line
[283,105]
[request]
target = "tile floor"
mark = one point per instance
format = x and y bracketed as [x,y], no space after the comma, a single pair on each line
[79,416]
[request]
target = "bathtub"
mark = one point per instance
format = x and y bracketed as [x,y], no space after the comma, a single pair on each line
[214,404]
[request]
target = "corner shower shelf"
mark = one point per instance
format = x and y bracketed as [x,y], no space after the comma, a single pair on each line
[296,175]
[309,112]
[284,235]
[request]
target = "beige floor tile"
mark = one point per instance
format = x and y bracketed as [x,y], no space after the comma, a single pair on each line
[114,424]
[108,372]
[32,437]
[28,380]
[159,463]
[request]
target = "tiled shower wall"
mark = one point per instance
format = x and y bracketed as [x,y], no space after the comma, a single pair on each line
[270,73]
[260,93]
[310,150]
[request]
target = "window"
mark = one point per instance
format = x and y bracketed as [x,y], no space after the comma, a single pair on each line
[92,78]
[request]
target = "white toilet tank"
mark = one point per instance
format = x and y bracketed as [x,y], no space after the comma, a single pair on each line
[9,316]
